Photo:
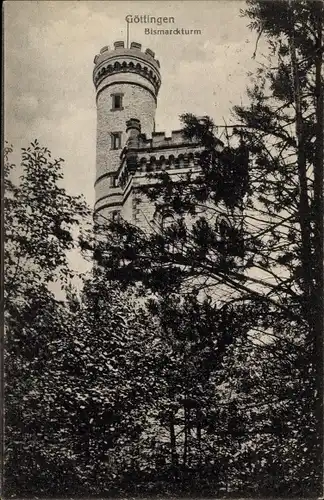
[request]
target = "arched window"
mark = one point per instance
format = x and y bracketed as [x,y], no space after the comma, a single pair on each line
[180,161]
[163,219]
[171,161]
[162,162]
[167,220]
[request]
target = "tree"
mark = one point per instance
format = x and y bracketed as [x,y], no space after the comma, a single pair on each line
[296,137]
[267,186]
[190,349]
[38,452]
[40,218]
[110,354]
[77,375]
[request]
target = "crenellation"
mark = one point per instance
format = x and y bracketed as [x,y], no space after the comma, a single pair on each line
[177,137]
[134,49]
[119,45]
[112,64]
[160,139]
[150,53]
[104,49]
[136,46]
[143,138]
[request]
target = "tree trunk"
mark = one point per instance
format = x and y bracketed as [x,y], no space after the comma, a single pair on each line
[303,209]
[199,417]
[318,236]
[186,435]
[173,443]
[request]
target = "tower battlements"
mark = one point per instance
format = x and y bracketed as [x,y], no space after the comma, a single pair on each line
[158,140]
[154,153]
[127,60]
[162,139]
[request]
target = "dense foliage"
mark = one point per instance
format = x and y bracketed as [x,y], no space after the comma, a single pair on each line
[248,229]
[190,362]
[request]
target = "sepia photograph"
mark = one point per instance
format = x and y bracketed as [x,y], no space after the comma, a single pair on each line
[163,249]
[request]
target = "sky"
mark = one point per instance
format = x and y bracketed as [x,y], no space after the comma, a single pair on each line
[49,50]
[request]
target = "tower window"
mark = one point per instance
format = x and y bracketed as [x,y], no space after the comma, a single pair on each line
[116,140]
[167,220]
[117,101]
[113,182]
[115,215]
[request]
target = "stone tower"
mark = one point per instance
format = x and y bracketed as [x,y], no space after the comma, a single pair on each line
[127,82]
[129,149]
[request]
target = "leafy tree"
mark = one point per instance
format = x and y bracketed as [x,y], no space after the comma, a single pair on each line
[38,451]
[111,361]
[40,218]
[77,381]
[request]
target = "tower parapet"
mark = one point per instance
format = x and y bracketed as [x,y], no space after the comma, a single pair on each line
[127,60]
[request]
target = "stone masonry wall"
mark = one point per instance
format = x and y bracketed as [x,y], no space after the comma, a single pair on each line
[137,103]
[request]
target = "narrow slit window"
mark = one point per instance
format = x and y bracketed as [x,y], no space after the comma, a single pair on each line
[116,140]
[117,101]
